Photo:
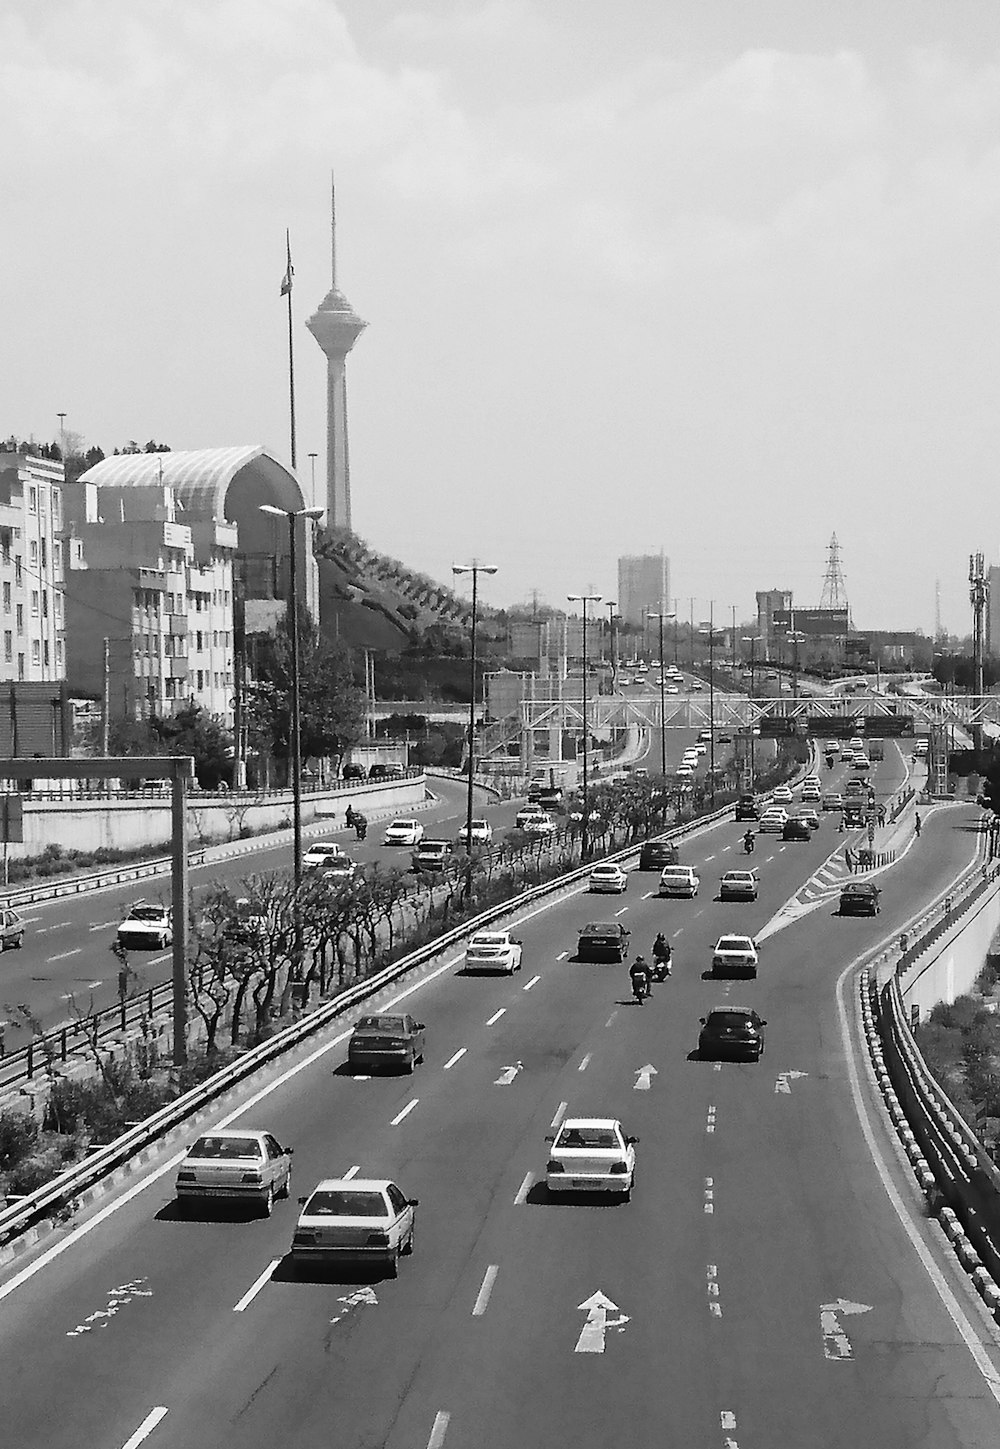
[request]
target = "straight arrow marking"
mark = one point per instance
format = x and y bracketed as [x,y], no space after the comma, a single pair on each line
[644,1076]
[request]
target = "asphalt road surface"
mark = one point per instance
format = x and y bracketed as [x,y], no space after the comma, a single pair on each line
[771,1283]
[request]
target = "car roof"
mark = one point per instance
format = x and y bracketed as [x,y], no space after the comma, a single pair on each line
[589,1122]
[352,1184]
[739,1010]
[234,1132]
[729,936]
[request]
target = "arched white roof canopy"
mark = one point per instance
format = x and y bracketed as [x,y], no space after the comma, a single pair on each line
[204,479]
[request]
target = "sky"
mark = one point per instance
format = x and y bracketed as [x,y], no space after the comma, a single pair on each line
[721,278]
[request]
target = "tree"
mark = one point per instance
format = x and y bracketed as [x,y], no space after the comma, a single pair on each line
[331,707]
[193,732]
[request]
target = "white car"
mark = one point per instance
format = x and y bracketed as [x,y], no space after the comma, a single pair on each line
[404,832]
[735,956]
[701,748]
[591,1154]
[541,825]
[772,821]
[147,926]
[811,791]
[359,1219]
[739,885]
[322,852]
[481,833]
[679,880]
[672,689]
[609,878]
[781,795]
[685,772]
[240,1164]
[493,951]
[526,813]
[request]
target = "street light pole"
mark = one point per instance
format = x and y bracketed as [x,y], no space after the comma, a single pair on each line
[611,605]
[709,629]
[795,636]
[475,569]
[585,599]
[663,701]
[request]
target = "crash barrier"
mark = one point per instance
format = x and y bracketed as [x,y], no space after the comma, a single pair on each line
[900,804]
[63,1192]
[956,1174]
[947,916]
[71,885]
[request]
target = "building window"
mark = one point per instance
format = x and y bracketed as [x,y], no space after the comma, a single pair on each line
[45,554]
[78,549]
[198,639]
[35,651]
[45,603]
[45,653]
[33,553]
[56,508]
[17,570]
[6,598]
[20,666]
[34,603]
[59,654]
[201,679]
[19,615]
[58,607]
[33,499]
[8,646]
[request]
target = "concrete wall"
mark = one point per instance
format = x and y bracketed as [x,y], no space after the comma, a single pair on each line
[124,824]
[952,964]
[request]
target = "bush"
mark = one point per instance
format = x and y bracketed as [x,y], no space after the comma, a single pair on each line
[18,1136]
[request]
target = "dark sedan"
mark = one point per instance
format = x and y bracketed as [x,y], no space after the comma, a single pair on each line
[795,829]
[603,941]
[860,898]
[655,854]
[731,1031]
[386,1041]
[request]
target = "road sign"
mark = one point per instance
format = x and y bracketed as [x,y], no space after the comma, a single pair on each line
[597,1307]
[12,819]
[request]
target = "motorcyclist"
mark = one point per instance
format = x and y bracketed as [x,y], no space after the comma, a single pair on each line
[360,825]
[748,842]
[662,953]
[639,976]
[350,818]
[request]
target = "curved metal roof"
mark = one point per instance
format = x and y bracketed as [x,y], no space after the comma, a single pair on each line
[201,477]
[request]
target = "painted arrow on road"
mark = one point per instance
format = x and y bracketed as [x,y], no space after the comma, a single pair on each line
[597,1307]
[352,1300]
[836,1344]
[508,1074]
[644,1076]
[785,1080]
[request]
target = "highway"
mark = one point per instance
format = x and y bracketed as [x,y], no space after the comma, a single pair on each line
[771,1282]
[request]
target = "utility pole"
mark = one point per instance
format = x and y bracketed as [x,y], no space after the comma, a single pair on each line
[978,595]
[106,700]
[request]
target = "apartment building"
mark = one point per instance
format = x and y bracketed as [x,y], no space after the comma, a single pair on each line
[31,568]
[643,586]
[149,600]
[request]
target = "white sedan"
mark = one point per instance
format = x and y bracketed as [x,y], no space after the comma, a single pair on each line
[540,825]
[482,833]
[322,852]
[735,955]
[772,822]
[608,878]
[146,926]
[404,832]
[781,795]
[591,1154]
[493,951]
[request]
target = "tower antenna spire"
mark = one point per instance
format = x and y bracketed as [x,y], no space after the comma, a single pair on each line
[333,230]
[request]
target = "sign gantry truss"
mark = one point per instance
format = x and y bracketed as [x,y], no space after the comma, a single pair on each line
[737,711]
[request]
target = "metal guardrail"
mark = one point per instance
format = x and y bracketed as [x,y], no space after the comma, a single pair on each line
[161,794]
[56,1195]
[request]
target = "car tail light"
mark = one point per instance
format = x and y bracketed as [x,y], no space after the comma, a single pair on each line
[303,1236]
[619,1167]
[553,1166]
[252,1177]
[378,1240]
[187,1174]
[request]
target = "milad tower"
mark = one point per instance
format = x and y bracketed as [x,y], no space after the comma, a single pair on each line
[336,327]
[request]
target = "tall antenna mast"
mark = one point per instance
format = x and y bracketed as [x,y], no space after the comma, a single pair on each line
[938,629]
[834,594]
[333,231]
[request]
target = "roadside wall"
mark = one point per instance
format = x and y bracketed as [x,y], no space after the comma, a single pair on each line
[952,963]
[124,823]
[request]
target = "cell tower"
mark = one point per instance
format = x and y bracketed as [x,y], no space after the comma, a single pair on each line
[834,594]
[939,633]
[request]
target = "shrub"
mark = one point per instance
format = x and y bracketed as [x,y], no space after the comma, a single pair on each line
[18,1136]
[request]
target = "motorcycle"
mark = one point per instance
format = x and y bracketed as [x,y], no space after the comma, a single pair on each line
[661,968]
[748,844]
[640,988]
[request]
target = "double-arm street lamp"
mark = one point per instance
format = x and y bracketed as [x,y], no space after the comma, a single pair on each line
[584,600]
[611,605]
[709,629]
[475,569]
[663,706]
[294,743]
[796,636]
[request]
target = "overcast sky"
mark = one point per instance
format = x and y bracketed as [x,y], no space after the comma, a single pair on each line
[722,276]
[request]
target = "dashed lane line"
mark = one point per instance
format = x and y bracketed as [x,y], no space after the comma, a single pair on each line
[521,1196]
[456,1058]
[255,1287]
[486,1288]
[405,1112]
[584,1064]
[64,955]
[560,1113]
[529,984]
[146,1428]
[438,1430]
[492,1020]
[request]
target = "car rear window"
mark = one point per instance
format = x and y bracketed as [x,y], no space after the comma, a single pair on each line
[588,1137]
[380,1023]
[222,1149]
[596,928]
[729,1018]
[733,943]
[484,938]
[344,1204]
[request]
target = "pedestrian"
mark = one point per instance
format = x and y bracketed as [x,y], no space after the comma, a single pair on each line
[916,825]
[840,827]
[849,860]
[881,814]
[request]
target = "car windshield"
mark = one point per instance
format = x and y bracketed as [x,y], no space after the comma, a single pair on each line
[593,1138]
[223,1149]
[380,1023]
[146,913]
[402,825]
[479,825]
[341,1203]
[728,1018]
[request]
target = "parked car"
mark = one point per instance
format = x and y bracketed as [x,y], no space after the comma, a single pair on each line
[859,898]
[11,931]
[609,878]
[404,832]
[655,854]
[679,880]
[735,956]
[240,1164]
[738,885]
[146,927]
[386,1040]
[603,940]
[493,951]
[591,1154]
[358,1219]
[354,772]
[731,1031]
[390,771]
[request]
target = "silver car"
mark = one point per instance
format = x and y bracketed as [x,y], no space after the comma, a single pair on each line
[238,1164]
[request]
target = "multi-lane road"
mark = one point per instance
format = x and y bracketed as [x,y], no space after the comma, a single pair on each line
[771,1283]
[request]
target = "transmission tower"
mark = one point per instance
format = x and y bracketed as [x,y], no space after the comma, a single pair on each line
[834,594]
[938,626]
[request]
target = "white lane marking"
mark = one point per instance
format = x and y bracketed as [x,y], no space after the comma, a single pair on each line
[710,1122]
[439,1430]
[146,1428]
[30,920]
[352,1172]
[496,1016]
[562,955]
[64,955]
[649,895]
[727,1420]
[57,927]
[710,1194]
[717,1067]
[103,926]
[972,1342]
[584,1064]
[709,857]
[611,1017]
[155,960]
[529,984]
[256,1286]
[622,911]
[725,848]
[521,1195]
[712,1284]
[456,1058]
[489,1278]
[508,1074]
[405,1112]
[560,1113]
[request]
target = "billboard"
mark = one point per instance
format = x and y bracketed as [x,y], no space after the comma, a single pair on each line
[812,621]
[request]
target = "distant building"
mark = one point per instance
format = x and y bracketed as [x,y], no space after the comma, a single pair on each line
[31,568]
[770,603]
[546,642]
[643,586]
